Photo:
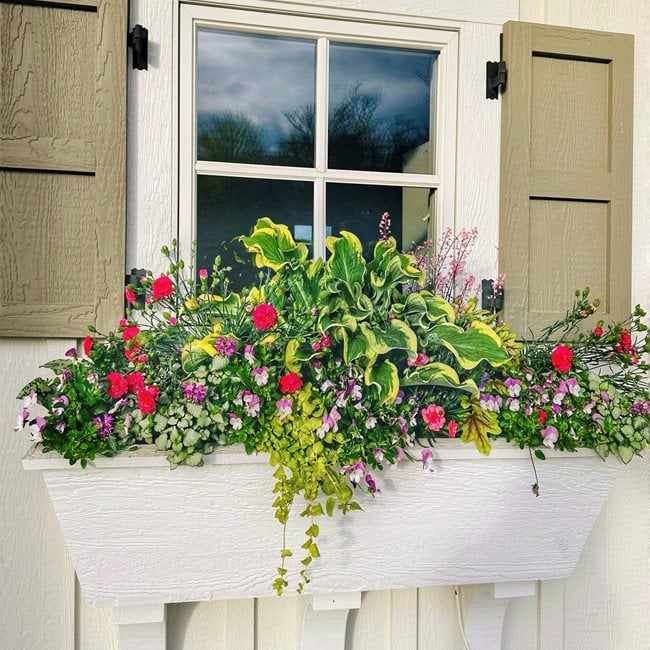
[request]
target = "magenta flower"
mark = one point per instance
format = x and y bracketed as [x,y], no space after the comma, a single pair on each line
[427,460]
[355,472]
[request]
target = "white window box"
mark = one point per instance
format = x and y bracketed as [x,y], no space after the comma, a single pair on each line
[140,534]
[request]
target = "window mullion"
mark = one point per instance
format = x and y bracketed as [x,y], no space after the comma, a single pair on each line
[320,153]
[322,92]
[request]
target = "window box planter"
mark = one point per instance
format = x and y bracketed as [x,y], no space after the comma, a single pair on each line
[140,535]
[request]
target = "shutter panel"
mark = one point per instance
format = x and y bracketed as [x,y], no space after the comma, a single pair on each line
[566,173]
[62,166]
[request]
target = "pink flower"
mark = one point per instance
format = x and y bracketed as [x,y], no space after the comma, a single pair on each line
[452,428]
[325,341]
[172,320]
[265,316]
[434,416]
[290,383]
[129,294]
[598,331]
[420,360]
[203,274]
[162,287]
[118,385]
[561,358]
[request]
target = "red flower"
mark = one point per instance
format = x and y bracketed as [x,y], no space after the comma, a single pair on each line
[162,287]
[118,385]
[542,416]
[325,340]
[452,429]
[561,358]
[88,345]
[135,381]
[598,331]
[624,342]
[147,399]
[132,351]
[264,316]
[129,294]
[290,383]
[130,332]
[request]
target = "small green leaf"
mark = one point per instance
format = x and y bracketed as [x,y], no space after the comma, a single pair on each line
[540,454]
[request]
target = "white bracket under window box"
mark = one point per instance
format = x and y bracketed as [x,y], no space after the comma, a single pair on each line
[140,535]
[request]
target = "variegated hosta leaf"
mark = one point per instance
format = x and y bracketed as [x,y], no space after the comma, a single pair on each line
[195,353]
[385,378]
[346,263]
[471,346]
[438,374]
[398,336]
[476,426]
[273,245]
[438,308]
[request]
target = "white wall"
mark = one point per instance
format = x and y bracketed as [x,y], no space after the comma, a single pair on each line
[602,607]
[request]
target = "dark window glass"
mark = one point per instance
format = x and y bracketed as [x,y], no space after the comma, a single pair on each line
[380,108]
[229,207]
[255,98]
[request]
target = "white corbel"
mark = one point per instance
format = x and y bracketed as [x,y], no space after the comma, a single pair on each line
[141,627]
[487,611]
[326,619]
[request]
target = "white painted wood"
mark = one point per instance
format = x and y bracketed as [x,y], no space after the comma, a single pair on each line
[487,610]
[141,627]
[479,124]
[326,619]
[185,520]
[36,575]
[496,11]
[437,624]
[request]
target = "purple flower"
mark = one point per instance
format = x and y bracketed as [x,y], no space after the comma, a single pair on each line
[104,425]
[194,392]
[513,386]
[356,471]
[235,422]
[378,454]
[72,352]
[226,345]
[550,434]
[249,354]
[427,460]
[65,374]
[372,486]
[284,407]
[261,375]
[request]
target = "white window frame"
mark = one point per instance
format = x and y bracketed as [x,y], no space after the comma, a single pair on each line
[371,32]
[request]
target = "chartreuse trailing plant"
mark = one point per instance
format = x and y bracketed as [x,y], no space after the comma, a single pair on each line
[336,369]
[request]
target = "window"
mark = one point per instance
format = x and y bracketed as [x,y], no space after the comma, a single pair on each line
[320,124]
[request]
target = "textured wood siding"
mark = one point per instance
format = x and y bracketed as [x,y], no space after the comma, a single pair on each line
[62,166]
[566,172]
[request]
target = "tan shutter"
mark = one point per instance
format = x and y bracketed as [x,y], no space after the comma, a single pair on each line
[62,166]
[566,172]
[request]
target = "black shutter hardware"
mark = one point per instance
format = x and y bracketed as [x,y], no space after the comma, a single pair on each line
[138,41]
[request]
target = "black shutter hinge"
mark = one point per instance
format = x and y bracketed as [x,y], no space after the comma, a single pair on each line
[491,297]
[496,78]
[138,41]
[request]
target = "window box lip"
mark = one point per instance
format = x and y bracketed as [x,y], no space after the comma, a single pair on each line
[150,456]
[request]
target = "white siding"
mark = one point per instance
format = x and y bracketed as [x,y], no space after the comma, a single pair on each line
[603,606]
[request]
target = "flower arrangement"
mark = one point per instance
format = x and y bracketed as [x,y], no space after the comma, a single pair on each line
[336,369]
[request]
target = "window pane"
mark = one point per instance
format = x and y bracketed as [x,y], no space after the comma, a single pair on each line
[255,98]
[380,108]
[358,208]
[229,207]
